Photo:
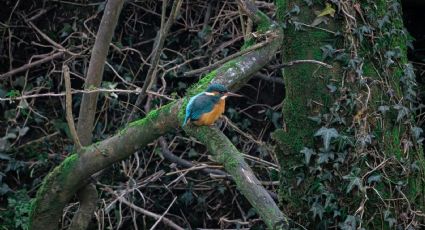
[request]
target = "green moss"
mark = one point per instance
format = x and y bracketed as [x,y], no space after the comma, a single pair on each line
[182,113]
[202,84]
[264,24]
[280,10]
[306,95]
[248,43]
[68,163]
[229,64]
[62,171]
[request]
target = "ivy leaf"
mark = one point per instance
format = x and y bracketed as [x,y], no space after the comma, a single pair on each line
[383,108]
[324,157]
[4,156]
[417,131]
[192,153]
[327,11]
[23,131]
[374,178]
[295,9]
[391,221]
[332,88]
[354,182]
[317,210]
[307,154]
[403,111]
[327,135]
[349,223]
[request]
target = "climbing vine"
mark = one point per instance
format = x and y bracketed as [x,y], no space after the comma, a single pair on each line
[355,159]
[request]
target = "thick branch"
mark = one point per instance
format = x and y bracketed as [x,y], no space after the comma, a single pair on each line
[248,184]
[62,183]
[88,201]
[95,71]
[89,102]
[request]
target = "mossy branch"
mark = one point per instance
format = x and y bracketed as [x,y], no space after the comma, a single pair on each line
[73,173]
[247,183]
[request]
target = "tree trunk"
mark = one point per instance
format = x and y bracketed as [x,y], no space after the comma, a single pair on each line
[350,150]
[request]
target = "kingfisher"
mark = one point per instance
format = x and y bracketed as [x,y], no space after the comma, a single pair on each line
[206,107]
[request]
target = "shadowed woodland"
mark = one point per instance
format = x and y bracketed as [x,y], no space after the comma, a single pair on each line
[328,133]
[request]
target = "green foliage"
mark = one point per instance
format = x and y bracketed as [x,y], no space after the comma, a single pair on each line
[336,130]
[16,216]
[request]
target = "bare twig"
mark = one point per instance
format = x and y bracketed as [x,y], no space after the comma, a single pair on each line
[68,102]
[166,221]
[173,158]
[101,90]
[158,45]
[163,214]
[291,63]
[31,64]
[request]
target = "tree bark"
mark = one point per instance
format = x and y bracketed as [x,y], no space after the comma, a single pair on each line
[364,179]
[247,183]
[88,195]
[95,72]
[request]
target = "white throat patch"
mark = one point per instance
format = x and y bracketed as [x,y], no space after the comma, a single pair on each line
[223,97]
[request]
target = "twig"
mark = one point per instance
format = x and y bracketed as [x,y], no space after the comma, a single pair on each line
[101,90]
[31,64]
[68,102]
[158,45]
[41,139]
[291,63]
[144,211]
[162,216]
[173,158]
[316,27]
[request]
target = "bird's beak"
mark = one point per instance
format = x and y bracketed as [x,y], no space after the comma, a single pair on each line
[230,94]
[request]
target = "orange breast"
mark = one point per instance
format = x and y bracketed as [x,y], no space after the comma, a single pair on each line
[210,117]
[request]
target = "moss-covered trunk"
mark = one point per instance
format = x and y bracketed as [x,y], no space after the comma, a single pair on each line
[349,149]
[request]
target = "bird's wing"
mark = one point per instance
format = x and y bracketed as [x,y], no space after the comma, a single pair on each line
[199,105]
[189,109]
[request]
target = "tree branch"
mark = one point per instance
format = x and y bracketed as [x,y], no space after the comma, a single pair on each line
[68,107]
[96,67]
[73,173]
[88,104]
[31,64]
[248,184]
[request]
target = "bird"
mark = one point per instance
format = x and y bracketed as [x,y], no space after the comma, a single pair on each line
[206,107]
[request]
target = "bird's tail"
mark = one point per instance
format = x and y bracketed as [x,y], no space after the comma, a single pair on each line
[185,121]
